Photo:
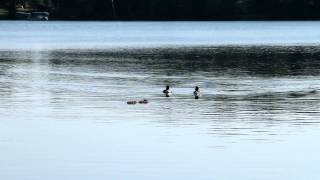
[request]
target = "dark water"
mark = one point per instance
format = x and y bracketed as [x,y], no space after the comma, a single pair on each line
[64,88]
[64,113]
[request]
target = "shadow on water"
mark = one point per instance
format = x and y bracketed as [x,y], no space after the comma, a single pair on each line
[247,90]
[263,61]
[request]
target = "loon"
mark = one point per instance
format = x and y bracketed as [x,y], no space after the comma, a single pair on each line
[167,91]
[197,93]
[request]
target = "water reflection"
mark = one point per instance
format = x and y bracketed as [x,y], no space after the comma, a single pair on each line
[250,92]
[239,60]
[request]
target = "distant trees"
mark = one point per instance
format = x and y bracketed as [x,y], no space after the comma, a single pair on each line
[174,9]
[218,9]
[12,8]
[83,9]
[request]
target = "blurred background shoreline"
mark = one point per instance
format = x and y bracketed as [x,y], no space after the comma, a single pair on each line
[163,9]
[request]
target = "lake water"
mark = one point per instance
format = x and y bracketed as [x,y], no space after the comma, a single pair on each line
[94,35]
[64,88]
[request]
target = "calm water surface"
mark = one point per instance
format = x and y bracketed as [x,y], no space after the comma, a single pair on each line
[64,88]
[84,35]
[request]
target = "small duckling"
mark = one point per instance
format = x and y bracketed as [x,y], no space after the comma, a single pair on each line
[167,91]
[132,102]
[144,101]
[197,93]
